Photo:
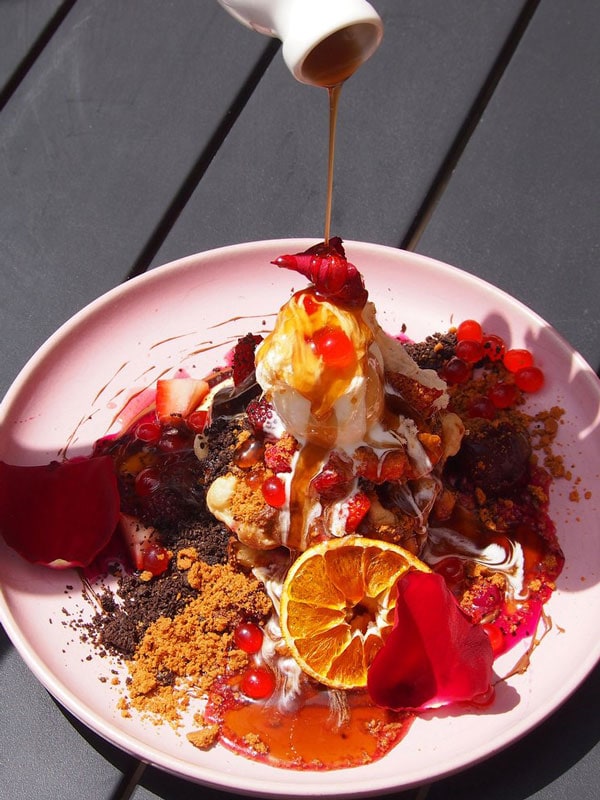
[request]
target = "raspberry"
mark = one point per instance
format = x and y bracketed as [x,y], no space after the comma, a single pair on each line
[259,412]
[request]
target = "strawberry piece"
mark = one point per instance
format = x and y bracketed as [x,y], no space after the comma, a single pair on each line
[243,357]
[434,655]
[60,514]
[279,454]
[176,398]
[357,506]
[333,481]
[143,543]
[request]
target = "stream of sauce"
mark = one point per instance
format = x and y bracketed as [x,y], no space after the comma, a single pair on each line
[329,65]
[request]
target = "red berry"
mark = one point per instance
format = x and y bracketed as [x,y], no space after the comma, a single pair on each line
[154,559]
[503,395]
[172,440]
[358,505]
[147,481]
[197,421]
[148,432]
[482,407]
[333,481]
[334,347]
[496,637]
[273,490]
[469,351]
[456,371]
[258,683]
[470,330]
[310,304]
[516,359]
[259,412]
[451,569]
[529,379]
[493,346]
[248,637]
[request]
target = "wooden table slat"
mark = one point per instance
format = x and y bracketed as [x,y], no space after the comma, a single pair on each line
[43,753]
[521,209]
[398,116]
[22,25]
[101,144]
[96,142]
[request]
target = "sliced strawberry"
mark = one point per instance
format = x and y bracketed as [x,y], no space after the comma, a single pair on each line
[176,398]
[357,506]
[243,357]
[60,514]
[143,543]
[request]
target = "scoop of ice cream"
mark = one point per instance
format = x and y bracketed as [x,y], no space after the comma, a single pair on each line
[322,370]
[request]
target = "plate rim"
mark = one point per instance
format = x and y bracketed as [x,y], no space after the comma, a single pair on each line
[127,742]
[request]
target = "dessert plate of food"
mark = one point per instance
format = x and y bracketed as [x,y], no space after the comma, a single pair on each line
[305,514]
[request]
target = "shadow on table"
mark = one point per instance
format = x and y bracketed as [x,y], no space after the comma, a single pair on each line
[540,758]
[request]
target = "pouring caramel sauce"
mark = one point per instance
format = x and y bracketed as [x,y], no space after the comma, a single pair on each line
[329,65]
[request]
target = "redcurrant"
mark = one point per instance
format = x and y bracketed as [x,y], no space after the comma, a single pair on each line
[173,440]
[248,637]
[503,395]
[258,683]
[516,359]
[470,330]
[273,490]
[154,559]
[197,421]
[451,569]
[310,304]
[148,432]
[482,407]
[147,481]
[470,351]
[493,346]
[529,379]
[335,347]
[456,371]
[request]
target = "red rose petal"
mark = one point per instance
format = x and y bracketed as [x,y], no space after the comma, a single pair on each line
[434,655]
[61,514]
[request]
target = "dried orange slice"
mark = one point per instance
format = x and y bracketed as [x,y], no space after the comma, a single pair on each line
[337,606]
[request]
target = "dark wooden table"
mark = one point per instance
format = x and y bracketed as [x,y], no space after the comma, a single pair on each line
[133,133]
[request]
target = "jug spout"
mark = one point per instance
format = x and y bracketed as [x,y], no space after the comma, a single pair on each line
[324,41]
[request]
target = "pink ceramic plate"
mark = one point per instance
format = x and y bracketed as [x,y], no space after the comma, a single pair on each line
[188,313]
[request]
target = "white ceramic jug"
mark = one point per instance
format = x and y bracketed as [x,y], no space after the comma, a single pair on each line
[324,41]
